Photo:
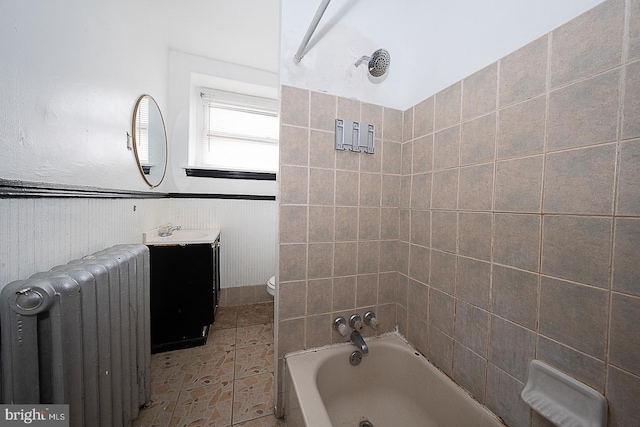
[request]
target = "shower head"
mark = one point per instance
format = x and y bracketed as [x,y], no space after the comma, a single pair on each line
[378,63]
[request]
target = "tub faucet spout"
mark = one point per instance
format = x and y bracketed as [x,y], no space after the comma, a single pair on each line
[358,341]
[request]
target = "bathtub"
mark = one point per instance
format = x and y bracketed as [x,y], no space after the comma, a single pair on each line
[393,386]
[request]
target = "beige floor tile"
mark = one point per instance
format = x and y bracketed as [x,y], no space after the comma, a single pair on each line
[159,413]
[254,335]
[210,368]
[225,318]
[254,360]
[268,421]
[253,397]
[209,406]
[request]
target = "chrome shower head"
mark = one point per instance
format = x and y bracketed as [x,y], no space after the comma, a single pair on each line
[378,63]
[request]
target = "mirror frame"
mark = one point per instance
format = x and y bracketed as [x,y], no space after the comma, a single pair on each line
[135,145]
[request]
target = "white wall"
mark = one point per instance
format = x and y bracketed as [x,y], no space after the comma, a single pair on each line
[71,73]
[432,44]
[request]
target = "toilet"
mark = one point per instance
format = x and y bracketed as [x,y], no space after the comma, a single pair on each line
[271,286]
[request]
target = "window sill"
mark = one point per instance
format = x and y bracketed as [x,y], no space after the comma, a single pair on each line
[229,174]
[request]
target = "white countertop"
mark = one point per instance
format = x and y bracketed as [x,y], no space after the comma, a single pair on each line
[180,237]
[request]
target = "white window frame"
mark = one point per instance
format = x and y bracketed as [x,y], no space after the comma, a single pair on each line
[232,100]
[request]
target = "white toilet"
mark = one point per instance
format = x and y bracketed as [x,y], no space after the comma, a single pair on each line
[271,286]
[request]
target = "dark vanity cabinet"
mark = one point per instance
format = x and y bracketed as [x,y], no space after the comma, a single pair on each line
[185,288]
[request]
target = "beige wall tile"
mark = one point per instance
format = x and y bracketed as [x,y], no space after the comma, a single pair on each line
[470,371]
[521,129]
[503,398]
[422,154]
[319,296]
[293,185]
[403,257]
[346,223]
[624,341]
[580,181]
[519,185]
[347,160]
[445,189]
[575,315]
[406,154]
[443,271]
[346,258]
[369,219]
[472,327]
[523,73]
[366,290]
[516,240]
[421,191]
[293,298]
[583,367]
[629,179]
[322,153]
[344,293]
[370,186]
[584,113]
[623,390]
[473,281]
[417,332]
[405,191]
[511,347]
[474,235]
[368,257]
[321,187]
[293,224]
[407,124]
[294,106]
[348,109]
[392,124]
[321,223]
[293,262]
[372,114]
[447,106]
[389,223]
[633,51]
[440,351]
[290,335]
[391,157]
[421,227]
[317,330]
[577,248]
[347,185]
[405,229]
[423,117]
[479,92]
[294,146]
[323,110]
[372,162]
[631,110]
[444,227]
[402,290]
[476,188]
[478,144]
[588,44]
[389,254]
[441,311]
[320,263]
[390,190]
[446,148]
[387,287]
[514,295]
[419,263]
[418,299]
[386,315]
[626,269]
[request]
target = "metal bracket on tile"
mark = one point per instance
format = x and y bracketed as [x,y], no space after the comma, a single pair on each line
[354,136]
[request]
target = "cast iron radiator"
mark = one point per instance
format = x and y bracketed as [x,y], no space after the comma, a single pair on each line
[79,334]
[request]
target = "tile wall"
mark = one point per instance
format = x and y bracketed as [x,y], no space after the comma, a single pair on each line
[501,215]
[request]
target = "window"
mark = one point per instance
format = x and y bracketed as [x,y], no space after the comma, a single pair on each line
[142,131]
[239,132]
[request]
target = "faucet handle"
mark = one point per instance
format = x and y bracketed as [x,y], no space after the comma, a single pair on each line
[340,325]
[356,322]
[370,319]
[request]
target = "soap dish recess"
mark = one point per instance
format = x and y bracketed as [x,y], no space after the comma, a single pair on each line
[563,400]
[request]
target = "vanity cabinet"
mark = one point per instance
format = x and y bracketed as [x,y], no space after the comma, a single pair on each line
[185,288]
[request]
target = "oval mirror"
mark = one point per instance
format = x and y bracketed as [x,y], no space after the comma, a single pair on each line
[149,140]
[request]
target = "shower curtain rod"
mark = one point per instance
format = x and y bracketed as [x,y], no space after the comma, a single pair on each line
[312,28]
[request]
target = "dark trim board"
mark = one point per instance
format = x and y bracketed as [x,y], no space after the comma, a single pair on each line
[12,189]
[214,173]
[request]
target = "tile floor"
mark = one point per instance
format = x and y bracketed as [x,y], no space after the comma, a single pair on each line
[227,382]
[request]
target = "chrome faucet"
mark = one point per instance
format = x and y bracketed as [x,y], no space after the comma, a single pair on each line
[168,230]
[358,341]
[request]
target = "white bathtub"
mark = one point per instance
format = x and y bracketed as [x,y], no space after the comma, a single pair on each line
[393,386]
